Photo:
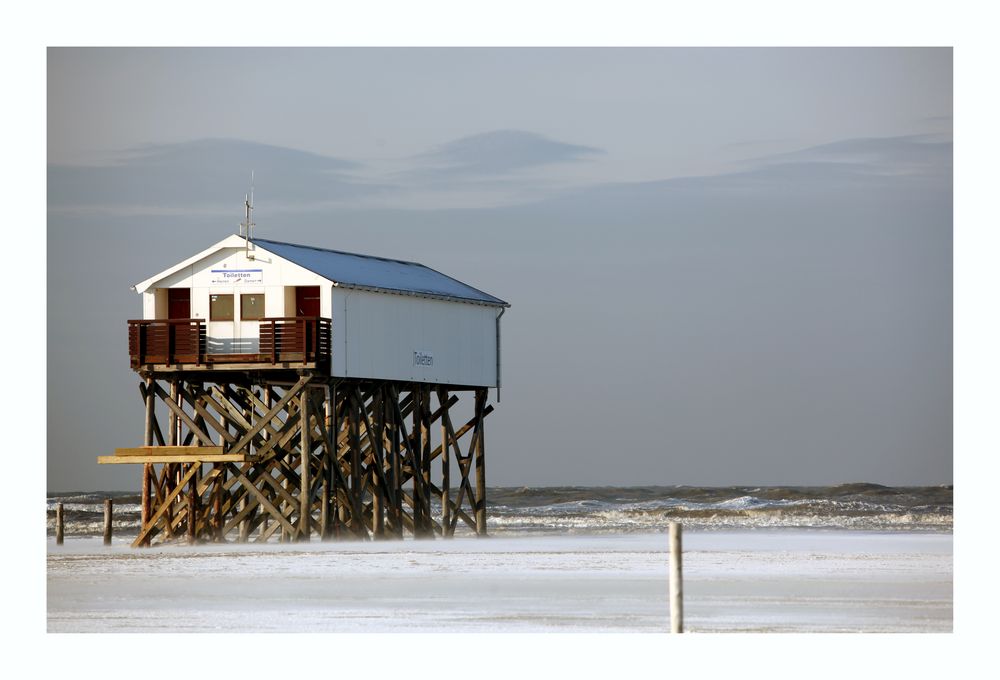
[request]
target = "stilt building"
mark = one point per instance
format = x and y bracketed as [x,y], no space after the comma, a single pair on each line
[293,391]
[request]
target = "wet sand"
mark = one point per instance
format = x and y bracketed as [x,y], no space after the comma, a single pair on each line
[740,581]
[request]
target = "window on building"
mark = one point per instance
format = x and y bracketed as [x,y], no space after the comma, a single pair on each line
[220,307]
[251,306]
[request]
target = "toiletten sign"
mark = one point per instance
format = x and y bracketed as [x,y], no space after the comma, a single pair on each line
[237,277]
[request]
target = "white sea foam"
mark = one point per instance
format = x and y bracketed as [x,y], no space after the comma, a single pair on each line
[603,510]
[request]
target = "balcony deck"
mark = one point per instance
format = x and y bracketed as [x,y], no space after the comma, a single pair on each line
[182,344]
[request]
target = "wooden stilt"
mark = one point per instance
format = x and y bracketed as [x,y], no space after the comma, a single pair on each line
[217,520]
[357,484]
[192,513]
[59,524]
[378,469]
[478,438]
[425,458]
[245,508]
[328,459]
[108,508]
[305,501]
[416,466]
[394,464]
[445,462]
[305,462]
[173,439]
[147,440]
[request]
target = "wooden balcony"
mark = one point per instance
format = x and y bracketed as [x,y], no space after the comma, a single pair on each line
[166,341]
[291,341]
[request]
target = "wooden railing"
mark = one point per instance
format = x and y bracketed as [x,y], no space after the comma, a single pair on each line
[287,339]
[166,341]
[295,338]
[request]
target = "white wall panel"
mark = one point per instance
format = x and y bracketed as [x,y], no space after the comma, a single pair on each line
[274,275]
[378,334]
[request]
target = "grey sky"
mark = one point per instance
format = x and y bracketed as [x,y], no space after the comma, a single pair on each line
[726,266]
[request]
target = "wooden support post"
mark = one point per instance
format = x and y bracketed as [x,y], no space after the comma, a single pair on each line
[425,458]
[305,501]
[268,404]
[192,515]
[173,421]
[194,503]
[357,473]
[415,467]
[378,491]
[445,463]
[328,477]
[480,463]
[59,524]
[219,523]
[333,428]
[676,587]
[107,520]
[147,440]
[349,458]
[248,517]
[324,511]
[395,474]
[357,488]
[173,439]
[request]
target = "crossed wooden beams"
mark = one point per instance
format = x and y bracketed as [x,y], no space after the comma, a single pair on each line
[248,461]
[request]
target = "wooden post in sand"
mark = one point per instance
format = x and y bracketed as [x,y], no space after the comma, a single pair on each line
[676,591]
[192,528]
[107,521]
[148,475]
[59,524]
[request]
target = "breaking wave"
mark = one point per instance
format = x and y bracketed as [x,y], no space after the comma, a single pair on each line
[596,510]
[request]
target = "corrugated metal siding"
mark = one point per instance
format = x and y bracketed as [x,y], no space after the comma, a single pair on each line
[377,273]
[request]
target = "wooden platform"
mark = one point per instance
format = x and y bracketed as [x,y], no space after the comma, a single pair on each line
[172,454]
[216,362]
[284,342]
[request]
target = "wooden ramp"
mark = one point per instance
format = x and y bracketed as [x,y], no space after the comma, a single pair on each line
[172,454]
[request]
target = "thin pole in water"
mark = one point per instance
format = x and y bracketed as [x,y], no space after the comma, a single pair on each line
[676,591]
[107,521]
[59,524]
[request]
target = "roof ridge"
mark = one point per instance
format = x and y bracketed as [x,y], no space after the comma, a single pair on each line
[344,252]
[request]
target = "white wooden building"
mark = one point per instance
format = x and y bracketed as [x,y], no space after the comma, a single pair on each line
[385,319]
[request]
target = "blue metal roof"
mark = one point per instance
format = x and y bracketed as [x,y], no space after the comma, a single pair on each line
[379,273]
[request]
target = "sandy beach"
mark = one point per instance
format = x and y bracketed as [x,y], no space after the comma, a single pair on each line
[788,580]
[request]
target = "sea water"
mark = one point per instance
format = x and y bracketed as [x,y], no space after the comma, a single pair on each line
[617,510]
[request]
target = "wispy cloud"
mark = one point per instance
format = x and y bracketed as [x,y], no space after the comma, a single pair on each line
[209,177]
[814,178]
[500,152]
[906,155]
[205,176]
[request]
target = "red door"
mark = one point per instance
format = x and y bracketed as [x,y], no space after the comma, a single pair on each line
[307,301]
[178,303]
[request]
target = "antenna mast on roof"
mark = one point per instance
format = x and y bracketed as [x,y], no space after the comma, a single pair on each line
[246,227]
